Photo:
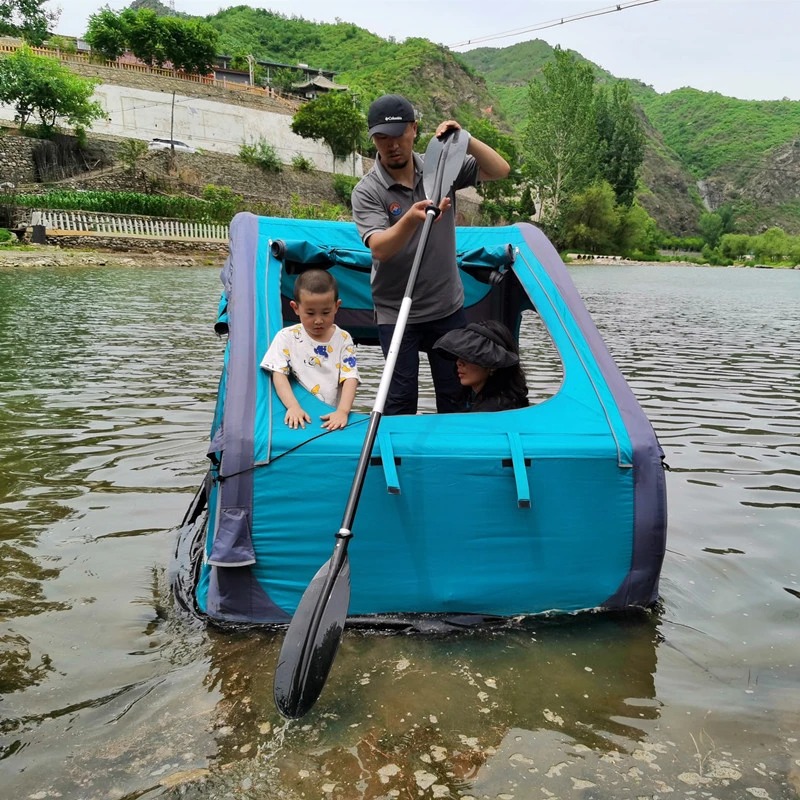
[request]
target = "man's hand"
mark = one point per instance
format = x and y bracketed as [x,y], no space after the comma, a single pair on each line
[447,125]
[420,209]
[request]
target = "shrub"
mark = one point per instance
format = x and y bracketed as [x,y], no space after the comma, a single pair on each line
[261,154]
[302,164]
[5,235]
[130,151]
[343,185]
[224,201]
[330,211]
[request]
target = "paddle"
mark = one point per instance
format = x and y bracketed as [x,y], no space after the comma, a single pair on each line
[315,631]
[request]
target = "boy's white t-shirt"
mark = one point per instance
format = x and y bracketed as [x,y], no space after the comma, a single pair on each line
[320,367]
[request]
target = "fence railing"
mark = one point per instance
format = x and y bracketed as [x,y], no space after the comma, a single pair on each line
[83,223]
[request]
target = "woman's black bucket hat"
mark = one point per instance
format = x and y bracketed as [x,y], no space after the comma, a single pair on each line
[477,345]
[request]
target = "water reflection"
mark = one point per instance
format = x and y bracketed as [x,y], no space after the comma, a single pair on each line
[108,691]
[410,715]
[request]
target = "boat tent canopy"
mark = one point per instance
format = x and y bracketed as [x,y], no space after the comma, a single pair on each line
[556,507]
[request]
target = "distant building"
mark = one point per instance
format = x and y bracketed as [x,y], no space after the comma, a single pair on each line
[319,84]
[315,80]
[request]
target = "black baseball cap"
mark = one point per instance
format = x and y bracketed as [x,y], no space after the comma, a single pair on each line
[389,115]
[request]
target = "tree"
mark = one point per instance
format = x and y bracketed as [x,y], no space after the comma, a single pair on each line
[333,118]
[560,140]
[145,34]
[26,19]
[106,34]
[40,86]
[621,140]
[591,219]
[711,228]
[283,78]
[189,45]
[637,233]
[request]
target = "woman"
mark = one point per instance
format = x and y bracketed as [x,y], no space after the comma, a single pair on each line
[487,360]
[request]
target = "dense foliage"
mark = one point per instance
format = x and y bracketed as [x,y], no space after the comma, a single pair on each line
[582,151]
[27,19]
[186,44]
[690,135]
[741,145]
[431,76]
[621,139]
[42,88]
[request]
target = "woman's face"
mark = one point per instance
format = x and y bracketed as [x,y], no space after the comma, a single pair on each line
[471,375]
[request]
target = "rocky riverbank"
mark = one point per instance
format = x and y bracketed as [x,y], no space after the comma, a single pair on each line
[52,256]
[47,256]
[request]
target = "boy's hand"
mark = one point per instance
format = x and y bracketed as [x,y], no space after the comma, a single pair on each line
[335,420]
[296,416]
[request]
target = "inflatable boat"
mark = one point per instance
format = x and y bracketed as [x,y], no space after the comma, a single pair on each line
[557,507]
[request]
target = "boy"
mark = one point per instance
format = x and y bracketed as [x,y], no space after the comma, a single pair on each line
[320,355]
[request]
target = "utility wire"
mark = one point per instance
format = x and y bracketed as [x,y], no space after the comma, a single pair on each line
[554,22]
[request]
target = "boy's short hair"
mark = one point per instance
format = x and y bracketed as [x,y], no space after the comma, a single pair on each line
[315,281]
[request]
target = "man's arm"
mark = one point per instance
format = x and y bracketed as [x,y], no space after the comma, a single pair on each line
[390,241]
[491,165]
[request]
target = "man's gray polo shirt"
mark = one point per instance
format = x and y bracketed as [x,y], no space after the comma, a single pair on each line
[378,202]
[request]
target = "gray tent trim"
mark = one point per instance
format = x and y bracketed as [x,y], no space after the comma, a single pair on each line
[235,595]
[232,550]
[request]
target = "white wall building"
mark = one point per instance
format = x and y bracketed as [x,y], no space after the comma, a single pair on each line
[134,113]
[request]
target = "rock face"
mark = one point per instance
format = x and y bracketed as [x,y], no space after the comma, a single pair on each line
[777,180]
[670,196]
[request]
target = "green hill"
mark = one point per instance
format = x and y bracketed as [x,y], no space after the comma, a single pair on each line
[430,75]
[713,133]
[702,147]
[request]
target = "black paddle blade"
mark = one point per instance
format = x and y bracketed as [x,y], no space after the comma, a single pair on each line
[312,640]
[453,155]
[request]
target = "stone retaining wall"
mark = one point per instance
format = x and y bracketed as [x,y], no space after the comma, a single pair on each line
[16,159]
[193,172]
[162,83]
[137,244]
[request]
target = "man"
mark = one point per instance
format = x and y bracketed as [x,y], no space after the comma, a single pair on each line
[389,210]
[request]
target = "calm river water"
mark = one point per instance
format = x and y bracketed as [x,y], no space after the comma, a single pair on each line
[107,691]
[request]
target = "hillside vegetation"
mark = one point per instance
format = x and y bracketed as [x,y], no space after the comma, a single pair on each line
[429,74]
[713,133]
[702,146]
[704,150]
